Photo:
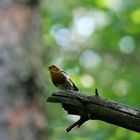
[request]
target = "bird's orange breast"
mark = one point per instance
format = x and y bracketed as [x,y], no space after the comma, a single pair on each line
[57,78]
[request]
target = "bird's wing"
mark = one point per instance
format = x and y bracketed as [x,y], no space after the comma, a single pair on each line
[65,74]
[74,86]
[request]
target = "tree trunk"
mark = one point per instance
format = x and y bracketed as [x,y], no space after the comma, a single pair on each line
[21,111]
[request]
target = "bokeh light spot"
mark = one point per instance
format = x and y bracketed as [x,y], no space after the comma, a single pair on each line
[121,87]
[84,25]
[87,81]
[114,5]
[101,19]
[61,35]
[90,59]
[127,44]
[136,16]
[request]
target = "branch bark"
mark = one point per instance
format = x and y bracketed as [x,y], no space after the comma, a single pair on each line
[96,108]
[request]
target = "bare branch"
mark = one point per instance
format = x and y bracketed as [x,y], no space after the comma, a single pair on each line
[96,108]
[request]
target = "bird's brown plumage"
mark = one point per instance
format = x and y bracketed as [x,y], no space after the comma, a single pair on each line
[60,79]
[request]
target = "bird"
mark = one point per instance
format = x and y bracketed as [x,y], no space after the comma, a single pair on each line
[61,79]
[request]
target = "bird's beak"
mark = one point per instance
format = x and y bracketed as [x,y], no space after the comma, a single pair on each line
[49,67]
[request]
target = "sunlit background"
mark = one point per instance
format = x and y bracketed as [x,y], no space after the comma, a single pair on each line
[98,43]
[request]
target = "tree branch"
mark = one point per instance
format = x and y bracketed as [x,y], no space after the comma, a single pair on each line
[97,108]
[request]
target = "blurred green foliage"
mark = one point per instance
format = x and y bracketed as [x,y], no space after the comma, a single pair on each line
[98,43]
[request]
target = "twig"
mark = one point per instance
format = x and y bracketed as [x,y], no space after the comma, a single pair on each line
[96,92]
[77,123]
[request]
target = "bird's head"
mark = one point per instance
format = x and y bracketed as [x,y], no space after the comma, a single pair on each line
[53,69]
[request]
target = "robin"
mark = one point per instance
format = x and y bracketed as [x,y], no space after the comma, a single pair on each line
[61,79]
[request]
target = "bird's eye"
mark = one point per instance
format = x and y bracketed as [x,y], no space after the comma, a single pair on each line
[53,66]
